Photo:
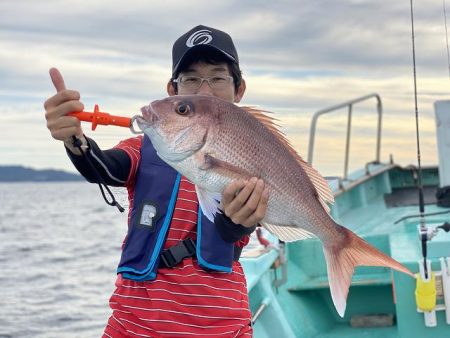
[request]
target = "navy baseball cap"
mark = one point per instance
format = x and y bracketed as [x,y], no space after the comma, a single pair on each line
[202,37]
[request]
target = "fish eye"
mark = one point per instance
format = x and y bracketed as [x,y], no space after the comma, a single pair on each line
[183,108]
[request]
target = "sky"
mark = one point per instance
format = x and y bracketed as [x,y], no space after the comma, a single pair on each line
[297,57]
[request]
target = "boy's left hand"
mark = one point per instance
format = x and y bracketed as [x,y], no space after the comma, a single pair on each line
[245,202]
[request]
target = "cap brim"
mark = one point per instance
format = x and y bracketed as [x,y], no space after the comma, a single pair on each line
[199,48]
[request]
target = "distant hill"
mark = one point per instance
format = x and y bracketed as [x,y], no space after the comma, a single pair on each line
[23,174]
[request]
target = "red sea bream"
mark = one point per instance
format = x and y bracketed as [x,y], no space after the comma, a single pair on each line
[212,142]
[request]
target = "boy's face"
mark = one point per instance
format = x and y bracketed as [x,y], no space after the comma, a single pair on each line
[206,70]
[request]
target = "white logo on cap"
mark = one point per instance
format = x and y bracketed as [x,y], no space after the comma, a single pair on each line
[201,37]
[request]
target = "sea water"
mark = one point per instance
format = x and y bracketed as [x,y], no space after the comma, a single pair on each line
[60,244]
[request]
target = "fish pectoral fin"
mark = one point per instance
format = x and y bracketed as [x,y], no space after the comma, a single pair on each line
[209,162]
[288,233]
[209,202]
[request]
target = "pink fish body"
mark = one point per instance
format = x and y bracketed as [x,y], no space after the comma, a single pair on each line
[212,142]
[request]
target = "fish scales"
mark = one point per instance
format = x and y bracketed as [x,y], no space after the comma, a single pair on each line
[239,138]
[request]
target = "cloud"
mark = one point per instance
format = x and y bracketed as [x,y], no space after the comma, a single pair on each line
[297,57]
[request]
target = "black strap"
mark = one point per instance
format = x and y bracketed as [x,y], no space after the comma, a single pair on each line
[184,249]
[101,183]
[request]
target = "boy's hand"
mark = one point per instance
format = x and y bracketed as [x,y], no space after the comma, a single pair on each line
[245,202]
[61,126]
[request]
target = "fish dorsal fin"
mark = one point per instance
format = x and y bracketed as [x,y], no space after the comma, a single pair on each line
[324,193]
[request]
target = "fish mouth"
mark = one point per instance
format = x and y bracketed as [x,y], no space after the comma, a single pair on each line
[149,114]
[149,117]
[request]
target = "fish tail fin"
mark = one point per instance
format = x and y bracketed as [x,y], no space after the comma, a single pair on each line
[342,260]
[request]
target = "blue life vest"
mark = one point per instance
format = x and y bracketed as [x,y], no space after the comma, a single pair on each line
[155,194]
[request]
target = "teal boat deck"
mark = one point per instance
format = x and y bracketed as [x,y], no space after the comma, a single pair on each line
[380,300]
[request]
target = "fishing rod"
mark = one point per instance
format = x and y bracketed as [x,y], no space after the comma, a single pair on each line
[423,232]
[446,36]
[426,286]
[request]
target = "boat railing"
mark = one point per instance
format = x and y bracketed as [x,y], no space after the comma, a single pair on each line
[349,104]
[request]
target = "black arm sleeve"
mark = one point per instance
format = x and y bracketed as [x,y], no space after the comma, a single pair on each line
[112,165]
[229,231]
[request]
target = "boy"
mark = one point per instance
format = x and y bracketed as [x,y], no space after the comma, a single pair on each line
[170,282]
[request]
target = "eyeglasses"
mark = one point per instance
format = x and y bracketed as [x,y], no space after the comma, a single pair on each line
[193,83]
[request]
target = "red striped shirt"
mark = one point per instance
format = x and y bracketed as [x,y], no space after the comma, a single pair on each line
[185,300]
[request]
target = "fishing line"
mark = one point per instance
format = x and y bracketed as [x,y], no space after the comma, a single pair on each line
[423,232]
[446,36]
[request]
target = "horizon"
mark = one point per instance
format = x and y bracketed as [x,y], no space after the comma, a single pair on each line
[297,57]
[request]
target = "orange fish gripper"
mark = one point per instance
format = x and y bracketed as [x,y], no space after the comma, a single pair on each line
[97,117]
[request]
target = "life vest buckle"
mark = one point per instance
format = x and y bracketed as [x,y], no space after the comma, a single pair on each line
[175,254]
